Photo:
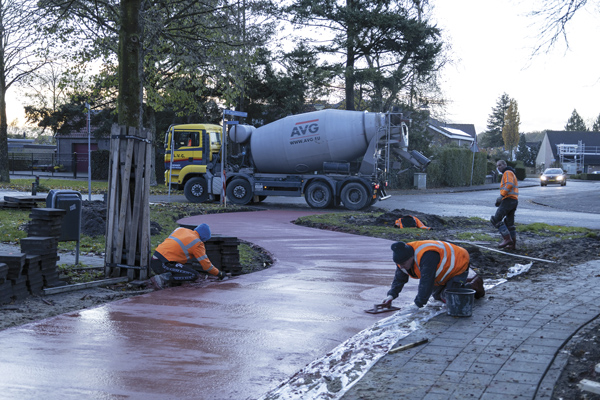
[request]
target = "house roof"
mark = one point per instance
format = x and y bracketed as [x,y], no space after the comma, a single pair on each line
[589,139]
[454,131]
[467,128]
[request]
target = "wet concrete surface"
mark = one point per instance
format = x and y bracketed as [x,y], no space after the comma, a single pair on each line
[234,339]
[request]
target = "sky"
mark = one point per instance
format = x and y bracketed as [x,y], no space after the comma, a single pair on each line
[492,46]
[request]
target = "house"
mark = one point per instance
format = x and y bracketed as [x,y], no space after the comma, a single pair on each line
[443,133]
[72,148]
[575,151]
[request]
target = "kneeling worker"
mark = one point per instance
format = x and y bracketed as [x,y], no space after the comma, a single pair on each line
[182,246]
[438,266]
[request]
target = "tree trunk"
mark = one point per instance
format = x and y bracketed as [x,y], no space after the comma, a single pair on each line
[130,65]
[4,169]
[128,211]
[350,55]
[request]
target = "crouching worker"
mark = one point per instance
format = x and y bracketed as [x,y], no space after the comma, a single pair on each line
[181,247]
[438,266]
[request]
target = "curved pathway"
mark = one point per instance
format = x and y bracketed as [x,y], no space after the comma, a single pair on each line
[219,340]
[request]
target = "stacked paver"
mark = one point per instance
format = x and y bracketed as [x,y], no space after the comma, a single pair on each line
[34,268]
[224,254]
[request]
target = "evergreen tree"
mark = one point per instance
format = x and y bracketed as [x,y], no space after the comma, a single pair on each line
[576,123]
[496,122]
[400,48]
[596,126]
[510,132]
[525,153]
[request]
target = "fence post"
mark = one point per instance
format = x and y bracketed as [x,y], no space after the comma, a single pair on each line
[74,165]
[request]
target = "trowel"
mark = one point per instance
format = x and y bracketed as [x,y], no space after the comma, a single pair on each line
[381,308]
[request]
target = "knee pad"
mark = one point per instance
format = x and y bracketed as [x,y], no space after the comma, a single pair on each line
[495,224]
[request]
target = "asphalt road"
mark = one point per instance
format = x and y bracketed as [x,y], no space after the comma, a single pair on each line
[576,204]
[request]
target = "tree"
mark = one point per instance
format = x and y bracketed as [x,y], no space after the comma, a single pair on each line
[23,50]
[525,153]
[496,122]
[273,93]
[575,123]
[510,131]
[596,125]
[555,15]
[386,44]
[47,90]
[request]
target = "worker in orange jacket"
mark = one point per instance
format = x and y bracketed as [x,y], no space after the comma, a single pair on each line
[504,219]
[181,247]
[409,221]
[438,266]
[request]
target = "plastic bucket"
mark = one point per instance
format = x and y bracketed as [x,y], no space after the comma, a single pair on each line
[459,302]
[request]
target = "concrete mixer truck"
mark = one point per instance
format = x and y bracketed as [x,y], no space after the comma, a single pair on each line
[330,157]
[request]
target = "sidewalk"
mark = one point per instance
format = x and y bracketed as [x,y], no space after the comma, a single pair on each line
[510,347]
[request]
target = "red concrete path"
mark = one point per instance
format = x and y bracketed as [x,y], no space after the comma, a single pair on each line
[226,340]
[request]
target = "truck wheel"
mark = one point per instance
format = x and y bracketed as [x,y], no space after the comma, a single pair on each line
[355,196]
[196,190]
[239,191]
[318,195]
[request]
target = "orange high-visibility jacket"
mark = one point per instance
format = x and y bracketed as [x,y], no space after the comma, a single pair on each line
[509,188]
[184,245]
[418,223]
[454,260]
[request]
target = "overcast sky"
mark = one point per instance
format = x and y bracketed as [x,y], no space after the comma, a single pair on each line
[492,44]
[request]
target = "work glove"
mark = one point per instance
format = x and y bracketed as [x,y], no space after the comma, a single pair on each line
[387,301]
[221,275]
[498,201]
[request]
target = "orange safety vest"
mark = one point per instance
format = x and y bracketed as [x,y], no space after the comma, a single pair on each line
[417,223]
[184,245]
[509,188]
[454,260]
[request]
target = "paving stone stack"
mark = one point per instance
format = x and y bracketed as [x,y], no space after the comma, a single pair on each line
[34,268]
[15,262]
[5,285]
[224,254]
[43,232]
[33,271]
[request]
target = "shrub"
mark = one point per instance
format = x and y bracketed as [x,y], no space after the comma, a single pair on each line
[100,164]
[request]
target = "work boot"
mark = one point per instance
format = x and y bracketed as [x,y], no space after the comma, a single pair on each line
[505,235]
[161,281]
[156,282]
[507,242]
[513,245]
[477,285]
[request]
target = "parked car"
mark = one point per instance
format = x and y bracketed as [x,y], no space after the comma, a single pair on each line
[553,175]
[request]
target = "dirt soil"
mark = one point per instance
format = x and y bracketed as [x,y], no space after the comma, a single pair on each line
[565,249]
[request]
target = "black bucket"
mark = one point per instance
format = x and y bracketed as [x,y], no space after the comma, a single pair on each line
[460,301]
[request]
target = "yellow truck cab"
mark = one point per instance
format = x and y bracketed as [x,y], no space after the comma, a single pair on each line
[189,148]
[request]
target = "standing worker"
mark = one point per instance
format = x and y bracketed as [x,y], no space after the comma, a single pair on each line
[182,246]
[507,203]
[438,266]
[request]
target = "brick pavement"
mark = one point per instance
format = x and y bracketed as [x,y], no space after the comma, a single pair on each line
[508,349]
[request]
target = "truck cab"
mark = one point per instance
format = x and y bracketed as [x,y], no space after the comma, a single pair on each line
[189,150]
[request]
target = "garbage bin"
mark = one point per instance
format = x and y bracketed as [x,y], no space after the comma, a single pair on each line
[70,201]
[420,180]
